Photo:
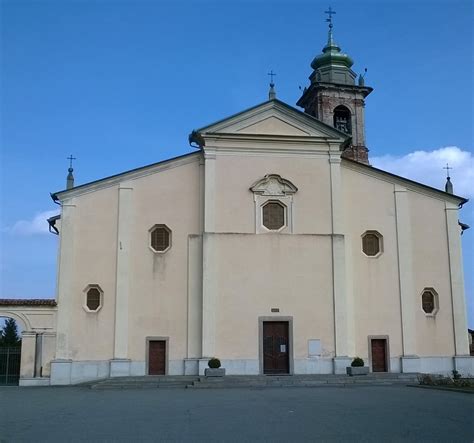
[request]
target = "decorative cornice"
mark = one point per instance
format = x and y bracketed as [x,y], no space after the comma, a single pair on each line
[402,182]
[128,175]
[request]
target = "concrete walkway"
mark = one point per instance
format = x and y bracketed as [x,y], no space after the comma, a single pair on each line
[335,414]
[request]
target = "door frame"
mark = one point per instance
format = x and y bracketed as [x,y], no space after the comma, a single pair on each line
[387,350]
[147,352]
[288,320]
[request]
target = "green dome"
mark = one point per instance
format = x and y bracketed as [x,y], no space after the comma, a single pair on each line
[331,55]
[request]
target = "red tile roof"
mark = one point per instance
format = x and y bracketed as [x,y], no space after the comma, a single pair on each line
[27,302]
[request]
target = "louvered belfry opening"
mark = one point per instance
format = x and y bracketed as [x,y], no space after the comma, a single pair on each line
[160,238]
[273,216]
[93,299]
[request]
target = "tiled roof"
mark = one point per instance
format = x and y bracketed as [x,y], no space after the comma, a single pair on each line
[27,302]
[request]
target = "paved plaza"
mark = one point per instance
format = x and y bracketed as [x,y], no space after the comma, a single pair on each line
[355,414]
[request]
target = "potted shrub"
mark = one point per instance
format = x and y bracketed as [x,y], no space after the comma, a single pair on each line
[214,369]
[357,367]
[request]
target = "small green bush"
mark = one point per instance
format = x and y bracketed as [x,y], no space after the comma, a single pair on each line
[214,363]
[357,362]
[456,375]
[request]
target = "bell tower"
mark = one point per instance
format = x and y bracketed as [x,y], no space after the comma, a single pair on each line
[334,98]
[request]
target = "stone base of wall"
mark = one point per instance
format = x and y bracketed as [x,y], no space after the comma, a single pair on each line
[37,381]
[67,372]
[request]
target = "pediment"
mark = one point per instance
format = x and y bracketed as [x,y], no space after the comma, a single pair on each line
[274,125]
[274,118]
[273,184]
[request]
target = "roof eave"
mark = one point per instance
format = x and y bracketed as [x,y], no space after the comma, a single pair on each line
[61,195]
[461,200]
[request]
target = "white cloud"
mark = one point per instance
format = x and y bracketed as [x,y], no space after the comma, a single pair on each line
[427,167]
[37,225]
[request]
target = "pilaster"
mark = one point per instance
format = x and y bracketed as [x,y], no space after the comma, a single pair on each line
[341,305]
[461,340]
[209,262]
[125,202]
[194,308]
[405,271]
[28,354]
[65,283]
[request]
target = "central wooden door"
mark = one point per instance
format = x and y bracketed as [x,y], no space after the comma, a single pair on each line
[157,357]
[276,352]
[379,355]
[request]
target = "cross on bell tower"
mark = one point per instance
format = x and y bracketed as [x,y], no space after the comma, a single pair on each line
[333,96]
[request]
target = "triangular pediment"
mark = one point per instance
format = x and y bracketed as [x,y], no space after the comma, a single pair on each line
[274,118]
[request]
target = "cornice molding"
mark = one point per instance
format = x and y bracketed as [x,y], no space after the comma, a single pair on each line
[128,175]
[402,184]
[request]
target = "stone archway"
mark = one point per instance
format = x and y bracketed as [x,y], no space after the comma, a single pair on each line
[37,318]
[21,320]
[10,353]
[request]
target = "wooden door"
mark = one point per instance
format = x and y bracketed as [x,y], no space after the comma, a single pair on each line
[379,355]
[157,357]
[276,352]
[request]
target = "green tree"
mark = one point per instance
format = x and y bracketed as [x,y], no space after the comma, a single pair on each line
[9,334]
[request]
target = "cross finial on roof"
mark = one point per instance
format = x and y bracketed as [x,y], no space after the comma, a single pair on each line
[271,93]
[330,13]
[271,74]
[71,158]
[447,167]
[70,177]
[448,187]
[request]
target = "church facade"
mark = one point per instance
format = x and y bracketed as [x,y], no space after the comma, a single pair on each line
[274,246]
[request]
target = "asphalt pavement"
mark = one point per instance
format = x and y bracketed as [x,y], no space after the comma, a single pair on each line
[332,414]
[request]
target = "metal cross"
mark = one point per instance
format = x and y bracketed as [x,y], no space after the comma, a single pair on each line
[271,74]
[330,12]
[71,158]
[447,169]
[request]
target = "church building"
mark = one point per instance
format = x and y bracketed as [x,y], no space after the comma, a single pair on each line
[274,246]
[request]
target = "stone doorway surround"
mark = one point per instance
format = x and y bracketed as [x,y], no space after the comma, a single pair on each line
[288,319]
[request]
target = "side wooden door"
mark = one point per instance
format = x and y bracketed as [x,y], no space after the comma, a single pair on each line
[157,357]
[379,355]
[276,352]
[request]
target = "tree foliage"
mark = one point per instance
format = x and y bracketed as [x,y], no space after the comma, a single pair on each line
[9,334]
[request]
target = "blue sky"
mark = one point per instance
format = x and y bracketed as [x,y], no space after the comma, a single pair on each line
[122,84]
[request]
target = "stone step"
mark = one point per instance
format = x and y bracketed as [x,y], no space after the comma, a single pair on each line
[144,382]
[251,381]
[301,381]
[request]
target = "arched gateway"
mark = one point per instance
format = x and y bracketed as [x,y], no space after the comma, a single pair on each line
[37,320]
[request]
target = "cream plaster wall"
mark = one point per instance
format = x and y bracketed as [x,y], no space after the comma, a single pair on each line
[159,282]
[431,269]
[370,205]
[258,273]
[94,262]
[235,207]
